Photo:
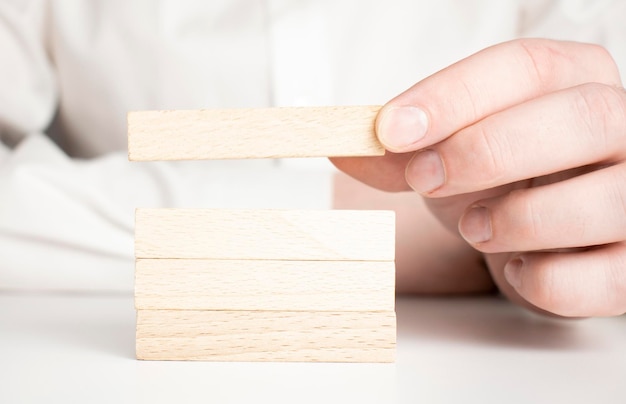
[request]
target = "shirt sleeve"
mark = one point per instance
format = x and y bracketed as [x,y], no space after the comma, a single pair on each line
[28,91]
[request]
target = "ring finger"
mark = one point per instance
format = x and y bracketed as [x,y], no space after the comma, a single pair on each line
[581,211]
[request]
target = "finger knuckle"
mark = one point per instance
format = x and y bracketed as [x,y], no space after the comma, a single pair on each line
[538,56]
[544,59]
[602,110]
[600,54]
[614,190]
[528,221]
[603,57]
[616,283]
[487,154]
[546,291]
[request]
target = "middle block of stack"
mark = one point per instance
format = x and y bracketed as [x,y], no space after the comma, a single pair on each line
[314,266]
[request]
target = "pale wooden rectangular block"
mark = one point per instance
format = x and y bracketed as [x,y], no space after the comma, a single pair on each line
[330,235]
[186,284]
[266,336]
[253,133]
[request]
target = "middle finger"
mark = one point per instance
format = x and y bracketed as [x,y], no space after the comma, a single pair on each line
[571,128]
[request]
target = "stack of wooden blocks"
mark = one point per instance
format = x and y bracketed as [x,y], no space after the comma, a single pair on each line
[261,285]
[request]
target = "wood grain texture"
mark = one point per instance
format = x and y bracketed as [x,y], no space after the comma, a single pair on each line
[264,285]
[266,336]
[253,133]
[331,235]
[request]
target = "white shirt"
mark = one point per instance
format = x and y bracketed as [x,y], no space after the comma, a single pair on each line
[70,70]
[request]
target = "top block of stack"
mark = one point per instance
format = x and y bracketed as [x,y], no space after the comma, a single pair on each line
[253,133]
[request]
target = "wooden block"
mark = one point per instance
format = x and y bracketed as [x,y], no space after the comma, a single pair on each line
[330,235]
[266,336]
[253,133]
[264,285]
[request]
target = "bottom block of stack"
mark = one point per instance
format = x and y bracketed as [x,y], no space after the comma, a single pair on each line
[291,336]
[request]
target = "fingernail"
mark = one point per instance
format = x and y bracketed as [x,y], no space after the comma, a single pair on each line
[513,272]
[400,127]
[425,172]
[475,225]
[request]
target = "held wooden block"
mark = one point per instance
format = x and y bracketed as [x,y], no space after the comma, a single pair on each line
[185,284]
[331,235]
[253,133]
[266,336]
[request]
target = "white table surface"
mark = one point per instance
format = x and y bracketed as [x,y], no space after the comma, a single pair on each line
[79,348]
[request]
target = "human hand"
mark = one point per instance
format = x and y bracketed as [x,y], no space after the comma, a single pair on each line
[521,148]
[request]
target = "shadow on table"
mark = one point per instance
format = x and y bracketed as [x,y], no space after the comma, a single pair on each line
[489,321]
